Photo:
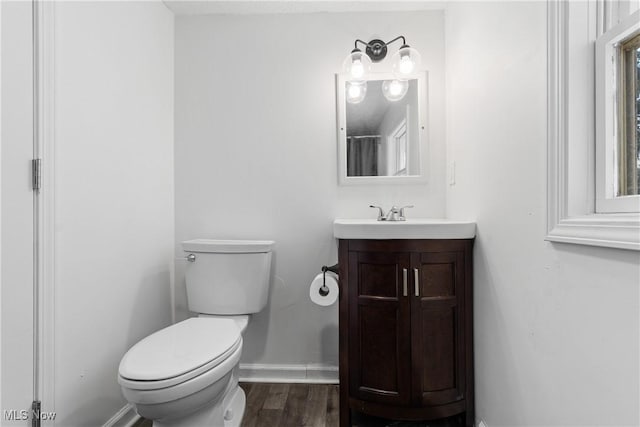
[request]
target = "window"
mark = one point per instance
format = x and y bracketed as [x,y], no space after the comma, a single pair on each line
[628,182]
[617,94]
[586,201]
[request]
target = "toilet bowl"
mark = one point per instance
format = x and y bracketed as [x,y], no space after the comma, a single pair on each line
[186,375]
[181,371]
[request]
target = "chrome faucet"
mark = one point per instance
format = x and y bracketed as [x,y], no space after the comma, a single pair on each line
[394,214]
[381,215]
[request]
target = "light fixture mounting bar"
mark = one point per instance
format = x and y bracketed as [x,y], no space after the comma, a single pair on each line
[376,49]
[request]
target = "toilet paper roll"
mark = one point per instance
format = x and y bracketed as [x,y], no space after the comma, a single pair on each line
[317,296]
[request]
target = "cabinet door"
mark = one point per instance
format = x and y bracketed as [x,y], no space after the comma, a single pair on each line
[379,324]
[437,327]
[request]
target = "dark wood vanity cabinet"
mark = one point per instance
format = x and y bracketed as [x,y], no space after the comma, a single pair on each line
[406,329]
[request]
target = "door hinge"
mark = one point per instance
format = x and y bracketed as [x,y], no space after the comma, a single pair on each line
[36,174]
[35,410]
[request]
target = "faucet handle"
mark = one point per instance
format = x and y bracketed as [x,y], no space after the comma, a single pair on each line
[381,216]
[402,217]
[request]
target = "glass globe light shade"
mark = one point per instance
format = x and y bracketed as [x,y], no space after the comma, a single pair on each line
[405,62]
[357,65]
[395,90]
[356,91]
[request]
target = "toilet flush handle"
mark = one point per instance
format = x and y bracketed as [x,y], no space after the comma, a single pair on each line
[191,258]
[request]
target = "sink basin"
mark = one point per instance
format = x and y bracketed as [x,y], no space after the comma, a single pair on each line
[418,228]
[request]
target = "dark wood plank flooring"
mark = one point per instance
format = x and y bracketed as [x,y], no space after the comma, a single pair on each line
[305,405]
[294,405]
[310,405]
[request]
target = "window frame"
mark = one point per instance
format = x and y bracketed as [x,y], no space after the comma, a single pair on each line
[400,131]
[571,214]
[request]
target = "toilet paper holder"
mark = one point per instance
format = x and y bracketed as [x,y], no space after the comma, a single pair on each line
[324,290]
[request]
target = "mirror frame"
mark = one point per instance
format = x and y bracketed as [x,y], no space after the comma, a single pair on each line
[423,104]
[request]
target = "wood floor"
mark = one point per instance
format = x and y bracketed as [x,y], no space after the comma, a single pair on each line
[306,405]
[311,405]
[290,405]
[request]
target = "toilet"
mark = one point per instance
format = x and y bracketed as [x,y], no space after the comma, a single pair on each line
[187,374]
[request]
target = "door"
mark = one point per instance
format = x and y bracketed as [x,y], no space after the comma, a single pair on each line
[437,325]
[17,210]
[379,321]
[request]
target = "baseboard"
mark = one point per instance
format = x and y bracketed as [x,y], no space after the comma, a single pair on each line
[267,373]
[125,417]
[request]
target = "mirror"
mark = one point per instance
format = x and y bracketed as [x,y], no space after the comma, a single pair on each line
[379,140]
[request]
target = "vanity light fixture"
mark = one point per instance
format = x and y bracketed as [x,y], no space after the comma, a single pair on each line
[405,62]
[357,65]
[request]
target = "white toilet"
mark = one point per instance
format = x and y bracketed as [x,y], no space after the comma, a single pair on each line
[187,373]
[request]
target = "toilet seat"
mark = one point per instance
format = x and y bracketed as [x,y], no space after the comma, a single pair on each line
[179,353]
[152,393]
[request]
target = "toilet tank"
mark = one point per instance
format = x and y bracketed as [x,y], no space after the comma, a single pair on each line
[227,276]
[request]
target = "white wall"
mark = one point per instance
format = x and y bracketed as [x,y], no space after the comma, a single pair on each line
[114,195]
[16,370]
[256,154]
[556,325]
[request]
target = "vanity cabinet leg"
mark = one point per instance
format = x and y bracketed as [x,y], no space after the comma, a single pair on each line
[345,419]
[345,414]
[469,419]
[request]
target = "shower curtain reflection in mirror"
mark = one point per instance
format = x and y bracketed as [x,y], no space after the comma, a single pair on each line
[362,155]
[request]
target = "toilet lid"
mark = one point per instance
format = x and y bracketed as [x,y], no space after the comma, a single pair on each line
[179,349]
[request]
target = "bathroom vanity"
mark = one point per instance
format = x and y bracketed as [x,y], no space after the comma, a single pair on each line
[406,319]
